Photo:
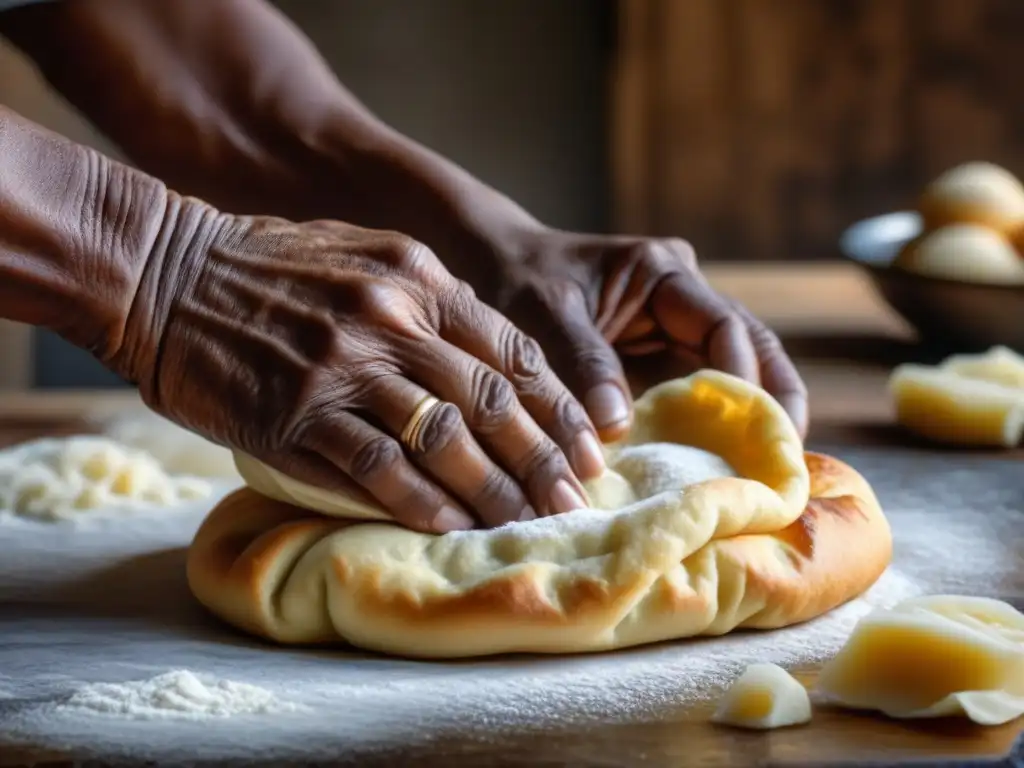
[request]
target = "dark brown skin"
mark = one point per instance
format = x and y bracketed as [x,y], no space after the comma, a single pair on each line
[307,345]
[227,101]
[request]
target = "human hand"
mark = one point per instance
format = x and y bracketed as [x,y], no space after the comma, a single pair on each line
[311,347]
[589,299]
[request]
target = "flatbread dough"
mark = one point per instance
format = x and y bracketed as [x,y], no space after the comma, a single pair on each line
[791,537]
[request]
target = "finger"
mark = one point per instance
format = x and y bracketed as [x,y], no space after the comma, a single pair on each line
[447,451]
[694,316]
[586,362]
[484,333]
[376,462]
[495,417]
[779,375]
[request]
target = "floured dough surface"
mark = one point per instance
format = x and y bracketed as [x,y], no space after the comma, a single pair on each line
[972,400]
[764,697]
[936,656]
[711,517]
[59,479]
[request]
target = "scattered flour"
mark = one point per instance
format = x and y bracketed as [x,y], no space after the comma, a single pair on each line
[636,474]
[658,467]
[177,694]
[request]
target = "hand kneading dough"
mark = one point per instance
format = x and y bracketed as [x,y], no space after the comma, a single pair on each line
[933,656]
[791,536]
[965,252]
[974,193]
[947,406]
[765,696]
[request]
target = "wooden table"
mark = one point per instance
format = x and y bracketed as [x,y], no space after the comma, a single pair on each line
[845,342]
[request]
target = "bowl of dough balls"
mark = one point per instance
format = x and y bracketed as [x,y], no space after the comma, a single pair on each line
[953,268]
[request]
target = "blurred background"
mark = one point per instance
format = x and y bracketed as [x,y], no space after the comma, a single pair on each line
[757,129]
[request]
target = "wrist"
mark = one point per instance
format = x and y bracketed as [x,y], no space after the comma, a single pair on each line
[383,180]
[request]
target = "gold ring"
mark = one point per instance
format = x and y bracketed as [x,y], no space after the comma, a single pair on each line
[414,427]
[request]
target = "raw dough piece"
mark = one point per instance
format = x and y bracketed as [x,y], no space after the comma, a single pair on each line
[179,451]
[941,405]
[765,696]
[55,479]
[793,536]
[933,656]
[999,365]
[968,253]
[974,193]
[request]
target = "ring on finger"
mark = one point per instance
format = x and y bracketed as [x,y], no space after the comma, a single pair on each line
[413,430]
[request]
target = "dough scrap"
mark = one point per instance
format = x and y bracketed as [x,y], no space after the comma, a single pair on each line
[968,400]
[764,697]
[969,253]
[974,193]
[57,479]
[791,537]
[999,365]
[935,656]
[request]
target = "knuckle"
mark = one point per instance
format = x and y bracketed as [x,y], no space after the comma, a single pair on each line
[495,402]
[525,359]
[543,465]
[495,493]
[682,250]
[442,426]
[406,254]
[375,457]
[595,361]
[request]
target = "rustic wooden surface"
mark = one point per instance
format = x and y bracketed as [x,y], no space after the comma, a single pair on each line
[845,342]
[760,128]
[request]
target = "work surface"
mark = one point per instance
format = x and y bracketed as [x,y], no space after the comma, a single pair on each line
[108,602]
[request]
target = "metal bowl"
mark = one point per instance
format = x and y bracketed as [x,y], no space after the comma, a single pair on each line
[945,313]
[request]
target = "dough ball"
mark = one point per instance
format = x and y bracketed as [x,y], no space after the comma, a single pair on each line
[968,253]
[180,451]
[939,405]
[936,656]
[765,696]
[58,479]
[974,193]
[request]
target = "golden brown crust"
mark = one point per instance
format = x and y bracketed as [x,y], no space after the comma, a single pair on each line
[296,576]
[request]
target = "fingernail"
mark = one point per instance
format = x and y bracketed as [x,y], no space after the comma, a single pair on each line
[528,513]
[564,498]
[587,456]
[451,519]
[607,406]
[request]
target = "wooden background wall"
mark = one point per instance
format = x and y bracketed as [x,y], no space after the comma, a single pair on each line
[759,129]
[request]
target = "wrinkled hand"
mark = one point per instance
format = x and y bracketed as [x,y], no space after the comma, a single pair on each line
[310,346]
[587,299]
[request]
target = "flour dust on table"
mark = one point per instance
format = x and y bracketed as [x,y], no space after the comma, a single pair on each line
[176,694]
[958,525]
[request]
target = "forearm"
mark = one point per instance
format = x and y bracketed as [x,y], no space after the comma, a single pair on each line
[75,231]
[226,100]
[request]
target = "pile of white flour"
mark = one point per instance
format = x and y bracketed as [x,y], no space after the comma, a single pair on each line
[176,694]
